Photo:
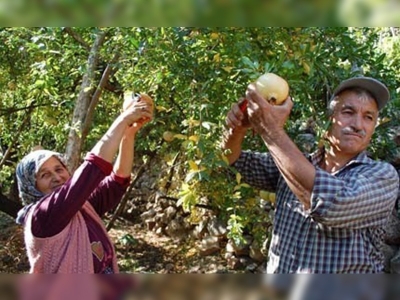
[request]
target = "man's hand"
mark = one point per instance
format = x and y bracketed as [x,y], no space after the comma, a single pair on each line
[266,118]
[237,117]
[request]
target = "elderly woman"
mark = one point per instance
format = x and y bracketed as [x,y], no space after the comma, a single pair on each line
[62,222]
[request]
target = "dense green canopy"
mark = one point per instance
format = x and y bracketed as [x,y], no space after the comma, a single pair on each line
[49,77]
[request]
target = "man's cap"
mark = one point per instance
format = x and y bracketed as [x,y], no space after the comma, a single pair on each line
[377,89]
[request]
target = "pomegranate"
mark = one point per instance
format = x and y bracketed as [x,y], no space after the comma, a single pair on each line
[168,136]
[130,98]
[273,88]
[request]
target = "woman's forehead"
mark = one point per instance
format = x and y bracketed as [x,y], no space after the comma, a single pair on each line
[50,162]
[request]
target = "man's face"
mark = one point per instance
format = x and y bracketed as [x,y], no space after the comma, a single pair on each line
[353,123]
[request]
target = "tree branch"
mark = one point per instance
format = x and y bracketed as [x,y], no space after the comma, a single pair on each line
[77,37]
[96,96]
[16,136]
[8,111]
[125,198]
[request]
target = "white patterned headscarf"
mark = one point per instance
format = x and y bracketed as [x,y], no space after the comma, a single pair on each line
[26,171]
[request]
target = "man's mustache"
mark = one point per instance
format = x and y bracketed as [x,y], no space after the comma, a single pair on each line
[350,130]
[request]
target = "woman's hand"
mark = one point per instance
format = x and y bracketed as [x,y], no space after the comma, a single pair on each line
[138,113]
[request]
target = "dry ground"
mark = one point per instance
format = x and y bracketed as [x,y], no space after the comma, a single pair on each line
[138,250]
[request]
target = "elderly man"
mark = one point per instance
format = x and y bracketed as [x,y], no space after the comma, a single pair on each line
[332,205]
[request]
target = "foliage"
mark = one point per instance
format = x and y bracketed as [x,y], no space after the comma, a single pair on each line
[194,75]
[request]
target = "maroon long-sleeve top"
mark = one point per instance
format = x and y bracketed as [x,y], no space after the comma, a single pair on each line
[95,182]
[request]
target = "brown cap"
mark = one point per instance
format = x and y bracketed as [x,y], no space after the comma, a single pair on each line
[377,89]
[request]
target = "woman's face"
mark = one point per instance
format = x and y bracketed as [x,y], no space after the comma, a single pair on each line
[52,174]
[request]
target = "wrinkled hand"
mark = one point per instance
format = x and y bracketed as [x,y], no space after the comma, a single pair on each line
[237,117]
[266,118]
[138,114]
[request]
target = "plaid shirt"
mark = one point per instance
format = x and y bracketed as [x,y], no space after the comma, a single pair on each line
[343,231]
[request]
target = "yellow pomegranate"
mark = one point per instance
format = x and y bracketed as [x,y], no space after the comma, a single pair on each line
[11,85]
[273,88]
[130,98]
[168,136]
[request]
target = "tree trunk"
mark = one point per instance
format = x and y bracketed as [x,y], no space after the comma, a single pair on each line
[75,141]
[8,206]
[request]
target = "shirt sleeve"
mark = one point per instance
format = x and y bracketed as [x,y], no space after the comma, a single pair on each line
[258,170]
[109,193]
[363,197]
[56,210]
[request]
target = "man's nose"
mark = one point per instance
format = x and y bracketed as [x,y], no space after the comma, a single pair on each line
[357,122]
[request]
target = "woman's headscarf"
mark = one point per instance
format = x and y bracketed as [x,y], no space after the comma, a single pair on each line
[26,172]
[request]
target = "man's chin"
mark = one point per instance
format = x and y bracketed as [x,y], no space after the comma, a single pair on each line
[354,149]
